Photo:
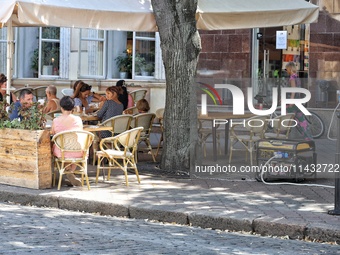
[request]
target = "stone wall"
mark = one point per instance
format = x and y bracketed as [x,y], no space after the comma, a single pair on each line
[325,55]
[226,51]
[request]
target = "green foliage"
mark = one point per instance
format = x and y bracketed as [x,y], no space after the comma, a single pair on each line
[124,62]
[3,112]
[149,67]
[139,62]
[35,60]
[33,117]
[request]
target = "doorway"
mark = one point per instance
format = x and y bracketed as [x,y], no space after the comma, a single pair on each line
[269,62]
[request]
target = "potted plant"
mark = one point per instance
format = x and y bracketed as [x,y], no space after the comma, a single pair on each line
[124,63]
[50,57]
[35,63]
[25,149]
[147,69]
[139,63]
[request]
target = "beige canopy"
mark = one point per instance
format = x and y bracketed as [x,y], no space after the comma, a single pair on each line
[238,14]
[137,15]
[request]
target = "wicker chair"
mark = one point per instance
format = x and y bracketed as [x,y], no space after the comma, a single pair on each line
[119,124]
[145,120]
[280,126]
[159,116]
[74,147]
[119,148]
[138,94]
[252,131]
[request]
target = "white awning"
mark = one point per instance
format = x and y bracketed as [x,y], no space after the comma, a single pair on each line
[137,15]
[239,14]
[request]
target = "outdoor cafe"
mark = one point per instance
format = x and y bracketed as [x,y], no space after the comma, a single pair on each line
[27,153]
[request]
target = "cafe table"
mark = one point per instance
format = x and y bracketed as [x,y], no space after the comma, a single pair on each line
[222,118]
[95,128]
[88,117]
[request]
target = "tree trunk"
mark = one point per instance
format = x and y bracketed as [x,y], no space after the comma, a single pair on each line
[181,45]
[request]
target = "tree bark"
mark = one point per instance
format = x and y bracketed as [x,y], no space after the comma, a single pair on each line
[181,45]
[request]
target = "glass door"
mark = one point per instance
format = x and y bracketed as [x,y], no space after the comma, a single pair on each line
[269,61]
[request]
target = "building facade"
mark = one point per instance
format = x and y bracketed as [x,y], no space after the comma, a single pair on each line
[247,57]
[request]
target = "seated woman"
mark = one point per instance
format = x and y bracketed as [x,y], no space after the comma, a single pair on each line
[64,122]
[124,97]
[111,107]
[83,97]
[3,85]
[96,97]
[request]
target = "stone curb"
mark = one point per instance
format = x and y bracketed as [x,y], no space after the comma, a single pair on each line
[263,226]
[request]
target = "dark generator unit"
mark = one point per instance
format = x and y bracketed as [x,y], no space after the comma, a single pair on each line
[285,159]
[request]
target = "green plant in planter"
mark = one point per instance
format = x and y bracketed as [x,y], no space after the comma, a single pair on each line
[139,63]
[35,61]
[149,67]
[124,62]
[33,117]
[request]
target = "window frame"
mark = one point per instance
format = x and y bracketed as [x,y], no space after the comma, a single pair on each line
[104,61]
[47,40]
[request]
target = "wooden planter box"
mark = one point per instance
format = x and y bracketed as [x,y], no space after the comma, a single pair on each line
[25,158]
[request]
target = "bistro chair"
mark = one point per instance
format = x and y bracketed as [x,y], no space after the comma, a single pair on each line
[280,126]
[53,114]
[120,151]
[17,91]
[132,110]
[138,94]
[159,116]
[247,133]
[67,92]
[119,124]
[40,92]
[145,120]
[74,146]
[205,130]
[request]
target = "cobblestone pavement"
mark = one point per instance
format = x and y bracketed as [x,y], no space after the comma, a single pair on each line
[32,230]
[235,202]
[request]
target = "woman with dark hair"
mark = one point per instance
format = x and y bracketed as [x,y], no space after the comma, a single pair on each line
[83,97]
[111,107]
[67,121]
[95,97]
[3,86]
[124,97]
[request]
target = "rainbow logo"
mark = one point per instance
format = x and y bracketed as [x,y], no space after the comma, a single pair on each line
[211,91]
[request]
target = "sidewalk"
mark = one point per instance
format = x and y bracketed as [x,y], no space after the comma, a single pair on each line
[235,204]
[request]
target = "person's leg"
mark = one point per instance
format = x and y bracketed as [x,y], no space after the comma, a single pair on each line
[71,177]
[302,122]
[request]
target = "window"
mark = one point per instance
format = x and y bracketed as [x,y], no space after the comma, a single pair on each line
[92,53]
[144,54]
[3,51]
[49,50]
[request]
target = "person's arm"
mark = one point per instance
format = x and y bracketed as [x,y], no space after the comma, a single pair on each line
[98,98]
[102,111]
[292,85]
[131,103]
[14,97]
[15,111]
[79,122]
[52,132]
[50,106]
